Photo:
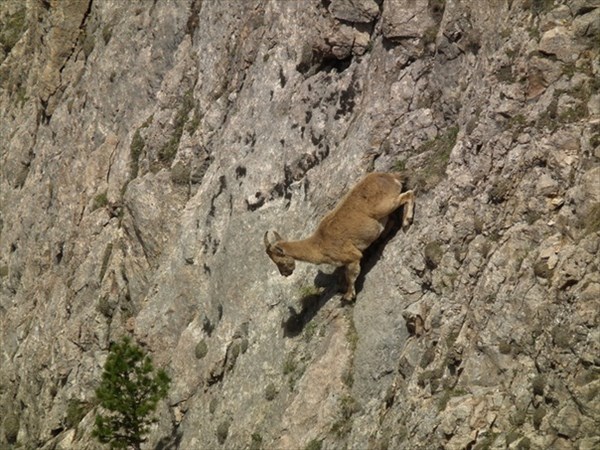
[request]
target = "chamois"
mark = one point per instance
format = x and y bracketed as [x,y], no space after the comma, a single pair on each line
[343,235]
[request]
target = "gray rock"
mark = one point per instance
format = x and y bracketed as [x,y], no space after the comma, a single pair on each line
[360,11]
[559,42]
[402,19]
[147,148]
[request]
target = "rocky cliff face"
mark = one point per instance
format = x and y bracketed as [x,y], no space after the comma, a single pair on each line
[147,146]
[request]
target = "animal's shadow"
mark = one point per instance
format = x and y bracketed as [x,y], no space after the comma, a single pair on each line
[334,283]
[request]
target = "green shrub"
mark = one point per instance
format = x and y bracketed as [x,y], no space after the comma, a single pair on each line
[136,148]
[270,392]
[256,443]
[315,444]
[167,152]
[289,365]
[76,411]
[128,394]
[399,166]
[433,169]
[12,30]
[100,201]
[201,349]
[106,33]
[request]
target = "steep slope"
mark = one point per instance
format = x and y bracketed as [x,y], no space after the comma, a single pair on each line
[146,148]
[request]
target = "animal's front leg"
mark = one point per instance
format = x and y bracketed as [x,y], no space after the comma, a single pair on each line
[408,200]
[352,272]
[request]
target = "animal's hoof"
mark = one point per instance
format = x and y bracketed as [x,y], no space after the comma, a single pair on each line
[348,299]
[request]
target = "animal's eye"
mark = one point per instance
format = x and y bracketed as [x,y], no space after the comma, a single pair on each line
[279,251]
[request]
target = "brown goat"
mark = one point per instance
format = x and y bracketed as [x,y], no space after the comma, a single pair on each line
[343,235]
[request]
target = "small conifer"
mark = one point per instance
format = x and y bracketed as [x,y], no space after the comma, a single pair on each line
[128,394]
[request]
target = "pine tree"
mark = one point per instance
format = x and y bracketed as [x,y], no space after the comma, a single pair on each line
[128,393]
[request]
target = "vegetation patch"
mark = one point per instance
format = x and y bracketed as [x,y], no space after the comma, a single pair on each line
[499,191]
[431,378]
[105,259]
[505,74]
[519,417]
[433,254]
[427,357]
[309,293]
[436,9]
[106,33]
[541,269]
[100,201]
[310,330]
[548,119]
[201,349]
[293,370]
[538,6]
[128,395]
[212,406]
[105,308]
[352,335]
[88,44]
[289,365]
[573,114]
[399,166]
[348,407]
[433,168]
[315,444]
[538,384]
[504,347]
[137,148]
[256,441]
[538,415]
[430,35]
[447,395]
[223,431]
[11,427]
[270,392]
[76,411]
[488,439]
[167,152]
[12,30]
[512,436]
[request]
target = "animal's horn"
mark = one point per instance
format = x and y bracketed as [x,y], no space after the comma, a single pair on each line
[277,236]
[266,239]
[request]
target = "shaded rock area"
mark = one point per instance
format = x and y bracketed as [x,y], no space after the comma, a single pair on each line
[147,146]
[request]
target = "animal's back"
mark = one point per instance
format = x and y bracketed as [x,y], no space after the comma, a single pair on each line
[349,221]
[371,189]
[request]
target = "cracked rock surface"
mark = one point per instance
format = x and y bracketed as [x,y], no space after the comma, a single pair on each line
[146,147]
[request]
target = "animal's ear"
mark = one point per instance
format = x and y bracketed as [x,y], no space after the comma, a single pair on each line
[278,250]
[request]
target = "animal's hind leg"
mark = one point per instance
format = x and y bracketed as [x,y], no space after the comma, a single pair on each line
[389,205]
[352,272]
[408,199]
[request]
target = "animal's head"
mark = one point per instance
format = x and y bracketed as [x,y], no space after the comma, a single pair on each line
[285,264]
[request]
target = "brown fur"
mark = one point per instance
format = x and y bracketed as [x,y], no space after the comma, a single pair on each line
[345,233]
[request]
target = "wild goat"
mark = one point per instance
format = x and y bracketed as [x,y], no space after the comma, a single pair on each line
[344,234]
